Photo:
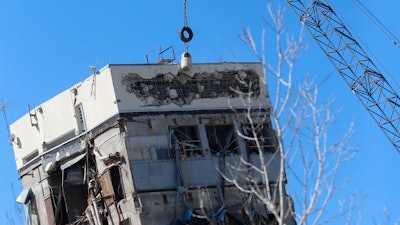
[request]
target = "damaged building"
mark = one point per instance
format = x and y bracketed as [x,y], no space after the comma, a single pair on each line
[149,145]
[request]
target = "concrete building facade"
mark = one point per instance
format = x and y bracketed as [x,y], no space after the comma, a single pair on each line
[148,144]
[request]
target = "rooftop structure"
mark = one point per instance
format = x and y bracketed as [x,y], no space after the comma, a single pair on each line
[148,144]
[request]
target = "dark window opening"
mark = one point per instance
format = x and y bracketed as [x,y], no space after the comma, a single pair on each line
[222,139]
[75,191]
[116,180]
[75,201]
[263,133]
[111,186]
[68,193]
[60,215]
[188,141]
[186,133]
[74,175]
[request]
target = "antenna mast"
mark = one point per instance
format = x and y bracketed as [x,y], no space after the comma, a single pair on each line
[3,109]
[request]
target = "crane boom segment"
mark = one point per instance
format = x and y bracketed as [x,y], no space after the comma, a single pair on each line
[353,64]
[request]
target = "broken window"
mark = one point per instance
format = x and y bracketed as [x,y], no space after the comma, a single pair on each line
[111,185]
[222,139]
[262,139]
[188,141]
[68,186]
[57,199]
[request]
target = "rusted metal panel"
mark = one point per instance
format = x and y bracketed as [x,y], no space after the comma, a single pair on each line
[107,188]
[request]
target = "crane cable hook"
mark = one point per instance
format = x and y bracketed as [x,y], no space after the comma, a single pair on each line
[182,35]
[185,33]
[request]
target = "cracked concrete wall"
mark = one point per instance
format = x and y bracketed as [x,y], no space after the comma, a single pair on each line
[150,88]
[181,89]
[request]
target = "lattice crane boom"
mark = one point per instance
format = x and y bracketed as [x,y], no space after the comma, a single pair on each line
[350,60]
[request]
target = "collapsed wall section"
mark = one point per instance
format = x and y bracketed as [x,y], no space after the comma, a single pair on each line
[147,88]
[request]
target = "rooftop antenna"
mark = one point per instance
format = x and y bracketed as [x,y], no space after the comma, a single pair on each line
[186,35]
[94,70]
[3,109]
[93,91]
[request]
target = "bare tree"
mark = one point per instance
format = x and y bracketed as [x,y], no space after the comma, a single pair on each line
[387,218]
[304,147]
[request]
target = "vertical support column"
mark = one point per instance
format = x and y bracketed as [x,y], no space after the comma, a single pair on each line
[240,141]
[201,129]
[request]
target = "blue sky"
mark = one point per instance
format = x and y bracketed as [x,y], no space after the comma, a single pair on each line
[47,46]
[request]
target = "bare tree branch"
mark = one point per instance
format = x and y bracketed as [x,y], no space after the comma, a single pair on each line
[303,143]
